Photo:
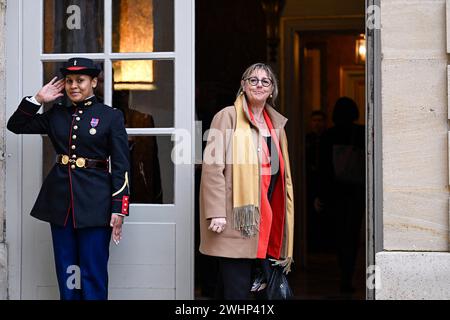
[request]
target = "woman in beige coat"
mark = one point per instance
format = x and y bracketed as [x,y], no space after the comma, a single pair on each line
[246,195]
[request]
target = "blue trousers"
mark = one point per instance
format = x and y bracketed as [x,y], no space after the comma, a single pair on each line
[81,260]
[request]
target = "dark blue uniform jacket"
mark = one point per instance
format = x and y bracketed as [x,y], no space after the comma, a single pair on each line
[90,195]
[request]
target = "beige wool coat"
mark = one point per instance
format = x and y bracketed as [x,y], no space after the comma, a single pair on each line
[216,189]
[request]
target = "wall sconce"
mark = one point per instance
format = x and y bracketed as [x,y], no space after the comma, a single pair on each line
[272,9]
[136,34]
[360,49]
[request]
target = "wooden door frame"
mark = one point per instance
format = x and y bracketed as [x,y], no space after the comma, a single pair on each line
[374,181]
[289,60]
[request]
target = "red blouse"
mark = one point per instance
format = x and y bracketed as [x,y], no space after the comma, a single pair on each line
[272,213]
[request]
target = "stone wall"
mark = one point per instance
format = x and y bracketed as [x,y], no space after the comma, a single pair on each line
[415,151]
[414,112]
[413,276]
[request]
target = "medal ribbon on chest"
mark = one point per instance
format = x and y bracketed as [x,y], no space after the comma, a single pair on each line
[94,124]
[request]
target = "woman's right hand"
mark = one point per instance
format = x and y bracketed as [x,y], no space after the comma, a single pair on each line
[217,224]
[51,91]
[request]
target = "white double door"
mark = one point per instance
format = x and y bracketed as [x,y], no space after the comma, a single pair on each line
[148,62]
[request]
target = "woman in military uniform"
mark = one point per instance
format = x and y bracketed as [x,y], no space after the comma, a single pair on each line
[85,195]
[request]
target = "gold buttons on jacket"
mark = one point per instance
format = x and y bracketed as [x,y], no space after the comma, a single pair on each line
[81,162]
[65,159]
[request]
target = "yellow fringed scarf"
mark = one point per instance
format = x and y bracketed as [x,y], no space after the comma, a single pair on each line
[246,189]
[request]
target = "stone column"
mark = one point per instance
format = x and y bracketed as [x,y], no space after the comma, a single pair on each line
[414,264]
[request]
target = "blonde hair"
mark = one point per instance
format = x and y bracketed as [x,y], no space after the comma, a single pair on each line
[270,74]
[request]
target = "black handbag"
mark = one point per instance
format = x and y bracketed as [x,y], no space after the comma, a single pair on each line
[278,286]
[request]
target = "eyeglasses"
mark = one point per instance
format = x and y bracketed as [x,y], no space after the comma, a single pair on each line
[265,82]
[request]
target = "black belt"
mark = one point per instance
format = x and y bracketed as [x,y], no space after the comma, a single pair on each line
[82,162]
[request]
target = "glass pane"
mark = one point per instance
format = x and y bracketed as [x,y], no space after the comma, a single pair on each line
[143,25]
[144,90]
[73,26]
[51,69]
[152,170]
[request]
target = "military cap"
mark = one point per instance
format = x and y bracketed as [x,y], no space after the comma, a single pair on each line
[80,66]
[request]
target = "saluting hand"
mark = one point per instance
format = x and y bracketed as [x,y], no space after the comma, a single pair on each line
[116,224]
[51,91]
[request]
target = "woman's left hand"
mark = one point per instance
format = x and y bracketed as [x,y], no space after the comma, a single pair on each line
[116,224]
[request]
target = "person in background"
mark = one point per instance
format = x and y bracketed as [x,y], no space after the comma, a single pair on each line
[318,235]
[342,184]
